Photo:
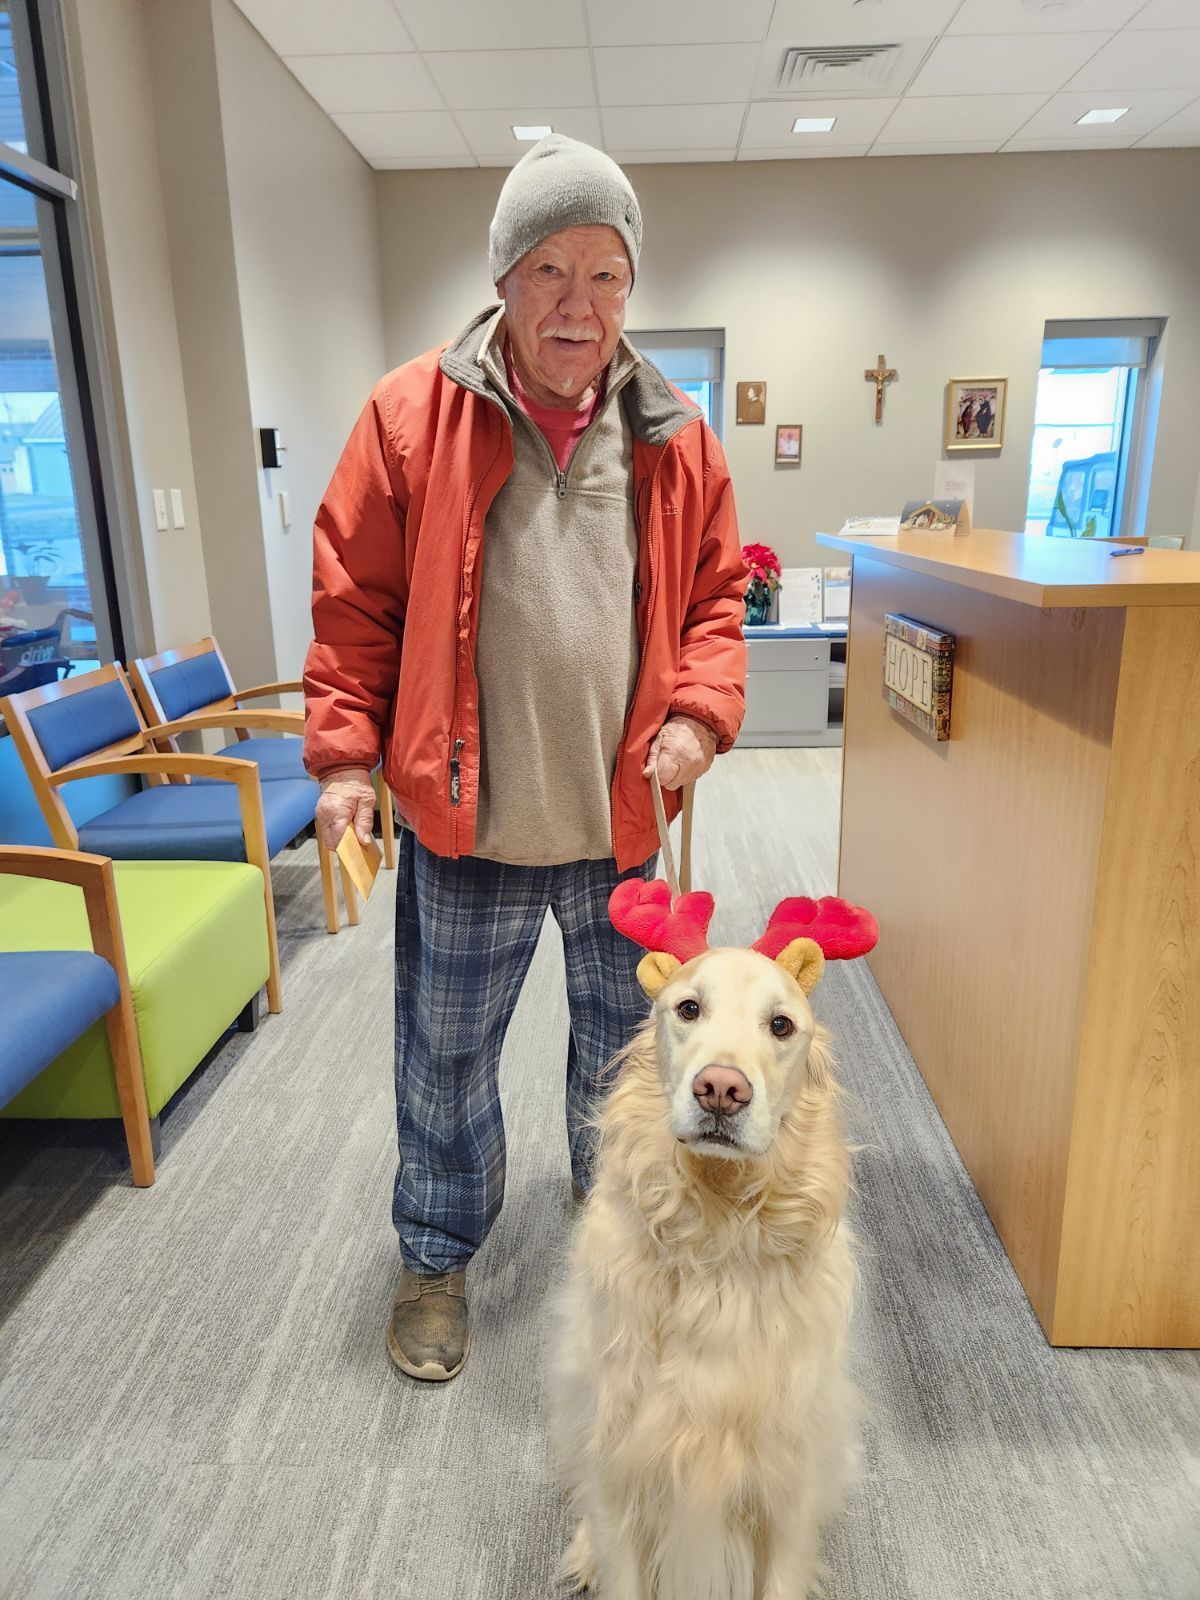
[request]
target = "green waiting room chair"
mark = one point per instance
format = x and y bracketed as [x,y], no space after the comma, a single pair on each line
[114,995]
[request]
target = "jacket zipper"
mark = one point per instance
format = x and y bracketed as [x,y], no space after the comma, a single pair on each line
[456,774]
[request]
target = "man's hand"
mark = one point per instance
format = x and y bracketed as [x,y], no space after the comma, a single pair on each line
[683,751]
[347,800]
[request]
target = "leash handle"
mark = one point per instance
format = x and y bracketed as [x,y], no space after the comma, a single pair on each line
[679,882]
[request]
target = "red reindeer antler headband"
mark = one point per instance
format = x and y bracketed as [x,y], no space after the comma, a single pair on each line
[643,912]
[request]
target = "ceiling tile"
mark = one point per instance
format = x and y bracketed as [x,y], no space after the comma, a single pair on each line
[689,74]
[1012,16]
[477,80]
[1166,14]
[1007,64]
[632,158]
[960,147]
[837,22]
[628,22]
[673,127]
[491,132]
[402,133]
[494,25]
[954,117]
[1168,141]
[1148,108]
[769,124]
[1184,124]
[1163,59]
[315,28]
[1049,143]
[367,82]
[826,152]
[911,54]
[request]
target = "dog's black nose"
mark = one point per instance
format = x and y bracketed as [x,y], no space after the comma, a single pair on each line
[722,1089]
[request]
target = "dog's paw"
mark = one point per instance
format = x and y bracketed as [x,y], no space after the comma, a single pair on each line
[578,1566]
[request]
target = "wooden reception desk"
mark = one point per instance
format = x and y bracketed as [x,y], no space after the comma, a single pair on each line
[1037,883]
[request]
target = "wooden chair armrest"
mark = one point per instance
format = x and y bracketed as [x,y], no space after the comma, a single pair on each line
[227,769]
[59,866]
[280,721]
[261,689]
[91,873]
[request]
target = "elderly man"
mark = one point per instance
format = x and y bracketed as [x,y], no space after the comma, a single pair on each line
[527,596]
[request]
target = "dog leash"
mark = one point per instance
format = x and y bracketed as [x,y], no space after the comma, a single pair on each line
[680,882]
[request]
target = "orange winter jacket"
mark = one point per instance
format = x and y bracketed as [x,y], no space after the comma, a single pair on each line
[397,552]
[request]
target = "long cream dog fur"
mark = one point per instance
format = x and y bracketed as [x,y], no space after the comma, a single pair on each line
[703,1416]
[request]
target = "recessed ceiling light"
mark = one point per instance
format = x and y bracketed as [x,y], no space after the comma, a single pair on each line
[531,133]
[1113,114]
[813,124]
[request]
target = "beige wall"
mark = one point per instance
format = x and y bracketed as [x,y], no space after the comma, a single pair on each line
[122,190]
[949,265]
[237,254]
[306,248]
[212,339]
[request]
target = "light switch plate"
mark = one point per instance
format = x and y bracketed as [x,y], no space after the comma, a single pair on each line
[160,510]
[285,508]
[177,508]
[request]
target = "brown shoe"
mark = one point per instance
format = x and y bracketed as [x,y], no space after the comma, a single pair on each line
[427,1335]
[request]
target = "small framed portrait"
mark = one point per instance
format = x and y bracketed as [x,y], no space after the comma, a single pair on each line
[752,402]
[975,413]
[787,444]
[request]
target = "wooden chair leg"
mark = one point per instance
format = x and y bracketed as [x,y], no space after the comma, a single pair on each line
[328,888]
[255,831]
[349,896]
[387,822]
[131,1089]
[274,985]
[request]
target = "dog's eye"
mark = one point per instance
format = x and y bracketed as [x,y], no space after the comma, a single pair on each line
[782,1027]
[689,1010]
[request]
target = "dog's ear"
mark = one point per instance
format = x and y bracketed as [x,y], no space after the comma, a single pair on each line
[804,959]
[655,970]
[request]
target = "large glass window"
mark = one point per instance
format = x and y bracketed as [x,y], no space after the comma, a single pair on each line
[57,603]
[1086,426]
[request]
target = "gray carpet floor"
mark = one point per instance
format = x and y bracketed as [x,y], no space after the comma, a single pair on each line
[195,1401]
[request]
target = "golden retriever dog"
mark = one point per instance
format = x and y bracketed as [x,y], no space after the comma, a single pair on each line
[704,1418]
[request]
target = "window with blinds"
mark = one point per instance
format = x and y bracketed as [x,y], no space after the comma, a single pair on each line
[1090,428]
[694,360]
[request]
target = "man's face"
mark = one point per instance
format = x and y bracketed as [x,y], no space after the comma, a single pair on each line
[564,305]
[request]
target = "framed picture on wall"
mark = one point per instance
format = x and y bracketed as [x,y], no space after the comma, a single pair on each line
[752,402]
[975,413]
[787,444]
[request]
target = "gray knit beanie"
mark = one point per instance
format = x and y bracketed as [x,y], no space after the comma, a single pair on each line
[558,184]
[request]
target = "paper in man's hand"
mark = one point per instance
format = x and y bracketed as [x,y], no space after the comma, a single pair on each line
[360,861]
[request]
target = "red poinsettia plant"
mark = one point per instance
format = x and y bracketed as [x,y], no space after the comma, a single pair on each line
[763,566]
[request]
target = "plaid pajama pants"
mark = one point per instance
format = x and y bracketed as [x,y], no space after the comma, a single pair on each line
[466,931]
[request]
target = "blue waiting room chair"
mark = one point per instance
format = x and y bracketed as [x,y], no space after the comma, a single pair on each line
[192,688]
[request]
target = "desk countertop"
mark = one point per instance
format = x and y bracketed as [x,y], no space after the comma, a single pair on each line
[1038,572]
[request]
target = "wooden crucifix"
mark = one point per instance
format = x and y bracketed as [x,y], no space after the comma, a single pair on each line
[879,376]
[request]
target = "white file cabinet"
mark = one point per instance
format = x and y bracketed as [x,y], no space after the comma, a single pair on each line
[787,689]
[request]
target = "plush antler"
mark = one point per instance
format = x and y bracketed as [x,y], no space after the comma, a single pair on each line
[840,929]
[643,912]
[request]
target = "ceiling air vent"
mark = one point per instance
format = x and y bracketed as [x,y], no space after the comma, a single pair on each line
[836,67]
